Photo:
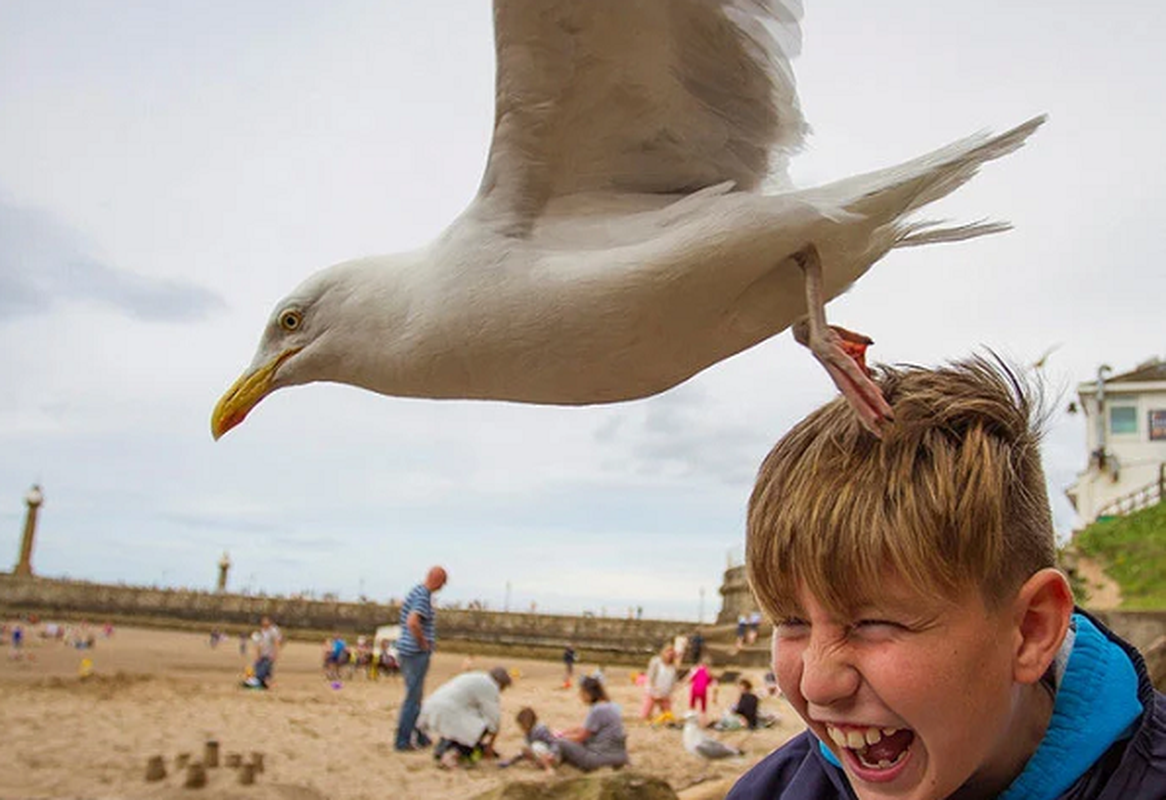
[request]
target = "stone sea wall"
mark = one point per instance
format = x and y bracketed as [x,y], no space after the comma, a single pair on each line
[603,638]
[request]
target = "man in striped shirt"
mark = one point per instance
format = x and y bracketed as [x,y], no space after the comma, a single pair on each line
[418,637]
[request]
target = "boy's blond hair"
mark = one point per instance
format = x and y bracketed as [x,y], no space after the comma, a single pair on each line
[952,497]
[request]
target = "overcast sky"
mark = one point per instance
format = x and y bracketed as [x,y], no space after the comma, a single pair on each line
[168,170]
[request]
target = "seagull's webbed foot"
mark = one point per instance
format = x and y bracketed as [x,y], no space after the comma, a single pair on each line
[840,351]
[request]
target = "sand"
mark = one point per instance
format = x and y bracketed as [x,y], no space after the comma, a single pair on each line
[165,693]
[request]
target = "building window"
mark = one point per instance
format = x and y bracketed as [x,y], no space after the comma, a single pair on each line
[1123,419]
[1158,425]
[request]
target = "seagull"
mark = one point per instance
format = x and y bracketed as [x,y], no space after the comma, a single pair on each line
[1044,357]
[697,743]
[634,226]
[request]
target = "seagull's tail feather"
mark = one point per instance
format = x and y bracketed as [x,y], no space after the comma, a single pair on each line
[896,191]
[879,203]
[925,179]
[920,232]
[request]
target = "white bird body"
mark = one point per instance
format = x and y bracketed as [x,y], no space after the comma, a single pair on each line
[697,743]
[619,243]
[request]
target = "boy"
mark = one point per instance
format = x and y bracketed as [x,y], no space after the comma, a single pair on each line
[922,631]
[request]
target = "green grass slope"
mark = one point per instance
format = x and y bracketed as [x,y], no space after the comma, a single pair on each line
[1132,550]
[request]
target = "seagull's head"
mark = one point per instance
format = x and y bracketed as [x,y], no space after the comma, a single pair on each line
[307,338]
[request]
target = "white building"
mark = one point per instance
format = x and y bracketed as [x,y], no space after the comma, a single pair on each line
[1126,439]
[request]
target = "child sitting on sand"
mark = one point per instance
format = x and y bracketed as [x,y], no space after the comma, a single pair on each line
[743,713]
[540,747]
[922,630]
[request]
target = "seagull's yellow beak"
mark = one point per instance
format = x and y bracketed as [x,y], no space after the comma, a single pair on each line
[245,394]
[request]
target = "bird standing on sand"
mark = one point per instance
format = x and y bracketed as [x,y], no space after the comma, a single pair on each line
[620,241]
[697,743]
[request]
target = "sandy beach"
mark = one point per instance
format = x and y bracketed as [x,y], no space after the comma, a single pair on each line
[166,693]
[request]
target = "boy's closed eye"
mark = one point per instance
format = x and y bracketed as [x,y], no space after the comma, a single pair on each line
[878,628]
[790,627]
[867,628]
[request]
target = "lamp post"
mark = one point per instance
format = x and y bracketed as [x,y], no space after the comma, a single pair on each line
[33,500]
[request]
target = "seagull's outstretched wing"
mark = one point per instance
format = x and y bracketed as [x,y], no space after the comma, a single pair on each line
[641,96]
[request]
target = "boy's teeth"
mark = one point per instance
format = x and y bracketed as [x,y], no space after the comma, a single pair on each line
[883,762]
[856,739]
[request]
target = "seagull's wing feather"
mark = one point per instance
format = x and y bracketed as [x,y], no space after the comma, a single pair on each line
[641,96]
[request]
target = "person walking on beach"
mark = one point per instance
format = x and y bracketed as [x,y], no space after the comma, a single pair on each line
[267,644]
[696,646]
[418,638]
[568,665]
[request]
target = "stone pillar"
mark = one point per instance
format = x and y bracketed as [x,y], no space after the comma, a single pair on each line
[224,565]
[33,499]
[738,597]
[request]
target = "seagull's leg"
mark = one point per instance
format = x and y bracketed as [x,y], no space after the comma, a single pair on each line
[840,351]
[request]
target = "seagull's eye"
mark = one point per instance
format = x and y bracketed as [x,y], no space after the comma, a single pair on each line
[290,320]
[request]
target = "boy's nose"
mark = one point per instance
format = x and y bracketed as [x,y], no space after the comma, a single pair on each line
[828,676]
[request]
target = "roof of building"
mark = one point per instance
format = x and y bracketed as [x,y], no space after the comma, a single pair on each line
[1150,371]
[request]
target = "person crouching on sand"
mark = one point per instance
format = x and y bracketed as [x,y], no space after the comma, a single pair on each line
[464,715]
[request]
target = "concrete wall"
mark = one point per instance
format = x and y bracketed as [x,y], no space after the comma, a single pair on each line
[545,634]
[1139,628]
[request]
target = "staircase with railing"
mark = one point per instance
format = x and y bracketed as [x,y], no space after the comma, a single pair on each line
[1143,497]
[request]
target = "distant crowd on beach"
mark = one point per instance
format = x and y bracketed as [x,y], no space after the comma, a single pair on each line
[458,722]
[82,635]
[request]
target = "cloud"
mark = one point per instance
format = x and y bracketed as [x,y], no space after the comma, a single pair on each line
[42,263]
[684,435]
[232,524]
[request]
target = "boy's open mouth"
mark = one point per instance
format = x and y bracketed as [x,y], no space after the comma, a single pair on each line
[874,748]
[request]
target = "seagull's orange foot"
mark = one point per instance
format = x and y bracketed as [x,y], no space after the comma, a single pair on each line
[843,354]
[854,345]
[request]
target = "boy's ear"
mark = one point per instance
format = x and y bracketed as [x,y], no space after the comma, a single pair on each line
[1043,607]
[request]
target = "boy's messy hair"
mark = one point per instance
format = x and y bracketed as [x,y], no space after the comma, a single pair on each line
[526,717]
[952,497]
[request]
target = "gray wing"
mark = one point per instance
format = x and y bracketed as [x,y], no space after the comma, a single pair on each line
[638,96]
[712,749]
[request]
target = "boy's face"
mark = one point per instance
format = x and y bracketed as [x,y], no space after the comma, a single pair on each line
[920,689]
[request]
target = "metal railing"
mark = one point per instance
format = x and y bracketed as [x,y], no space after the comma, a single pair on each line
[1138,499]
